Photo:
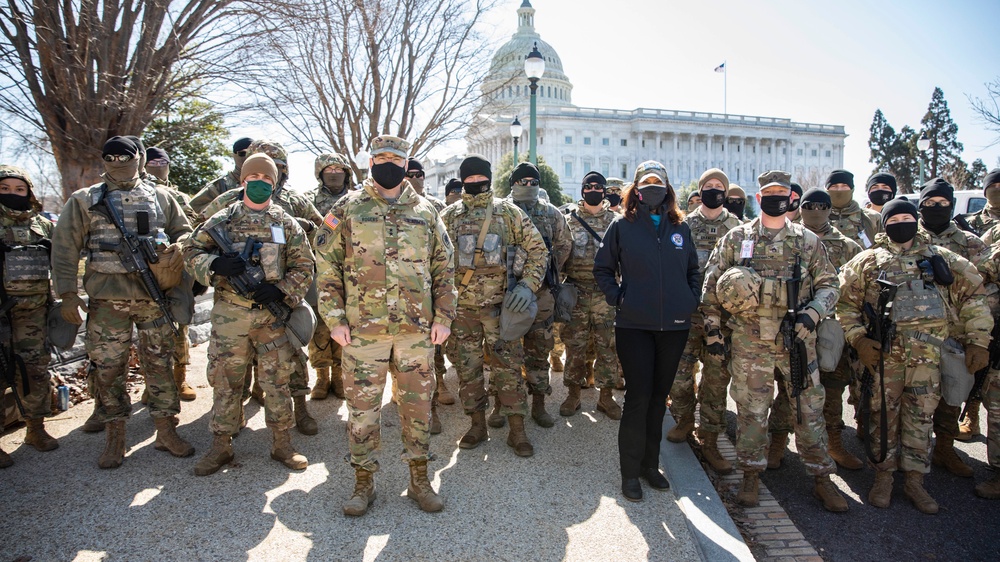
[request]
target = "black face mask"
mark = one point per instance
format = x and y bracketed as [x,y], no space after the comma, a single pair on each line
[388,175]
[737,208]
[476,187]
[901,232]
[15,202]
[774,205]
[652,195]
[880,197]
[713,198]
[614,199]
[793,205]
[935,219]
[593,198]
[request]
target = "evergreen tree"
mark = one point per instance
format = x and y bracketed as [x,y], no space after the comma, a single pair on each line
[905,165]
[937,125]
[550,179]
[881,142]
[193,134]
[977,172]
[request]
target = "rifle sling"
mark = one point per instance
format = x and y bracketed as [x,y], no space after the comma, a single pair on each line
[478,257]
[587,226]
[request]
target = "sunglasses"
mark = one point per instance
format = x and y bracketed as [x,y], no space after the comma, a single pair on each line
[931,204]
[593,187]
[240,153]
[414,174]
[529,183]
[734,201]
[815,207]
[117,157]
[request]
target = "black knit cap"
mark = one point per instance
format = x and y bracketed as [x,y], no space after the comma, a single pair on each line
[118,146]
[898,206]
[241,144]
[693,195]
[414,165]
[840,176]
[524,170]
[138,143]
[454,184]
[156,153]
[796,188]
[475,165]
[937,187]
[595,177]
[882,177]
[991,178]
[816,195]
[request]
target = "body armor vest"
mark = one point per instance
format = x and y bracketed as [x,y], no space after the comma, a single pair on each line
[467,226]
[139,199]
[261,226]
[26,265]
[580,264]
[705,234]
[919,304]
[773,261]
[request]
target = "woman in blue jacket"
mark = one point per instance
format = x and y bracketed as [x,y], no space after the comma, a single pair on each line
[649,249]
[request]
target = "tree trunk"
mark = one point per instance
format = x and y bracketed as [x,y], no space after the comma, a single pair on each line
[77,173]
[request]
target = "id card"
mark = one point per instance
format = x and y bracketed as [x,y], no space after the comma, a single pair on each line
[746,251]
[864,239]
[277,234]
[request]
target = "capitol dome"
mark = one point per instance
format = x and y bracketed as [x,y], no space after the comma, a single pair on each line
[506,83]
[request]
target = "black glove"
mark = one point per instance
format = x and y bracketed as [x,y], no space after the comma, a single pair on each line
[267,293]
[228,265]
[714,343]
[47,244]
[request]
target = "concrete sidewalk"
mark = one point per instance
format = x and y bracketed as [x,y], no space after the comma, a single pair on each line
[562,504]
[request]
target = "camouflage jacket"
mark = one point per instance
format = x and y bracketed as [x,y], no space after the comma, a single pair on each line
[79,229]
[509,226]
[985,219]
[706,232]
[991,236]
[773,256]
[580,265]
[839,248]
[551,224]
[387,268]
[324,199]
[966,311]
[965,244]
[293,203]
[183,199]
[26,271]
[288,265]
[213,189]
[852,220]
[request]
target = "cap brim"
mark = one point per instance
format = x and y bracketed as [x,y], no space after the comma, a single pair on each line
[779,184]
[395,151]
[654,174]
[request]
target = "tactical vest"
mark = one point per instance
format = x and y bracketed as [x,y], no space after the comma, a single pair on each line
[262,227]
[919,304]
[774,261]
[26,266]
[705,234]
[836,250]
[542,218]
[852,225]
[466,227]
[141,198]
[581,262]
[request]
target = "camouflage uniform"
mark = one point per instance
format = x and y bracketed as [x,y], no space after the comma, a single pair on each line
[388,275]
[477,321]
[242,329]
[213,189]
[755,355]
[984,220]
[853,220]
[920,310]
[593,318]
[714,372]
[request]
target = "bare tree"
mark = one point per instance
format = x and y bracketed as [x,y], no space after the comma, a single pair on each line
[349,70]
[81,71]
[988,109]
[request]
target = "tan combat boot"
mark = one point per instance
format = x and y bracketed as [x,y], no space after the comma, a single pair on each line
[517,438]
[496,419]
[538,413]
[556,362]
[322,387]
[363,495]
[776,450]
[968,427]
[37,437]
[914,489]
[841,455]
[420,489]
[184,390]
[217,457]
[881,492]
[93,425]
[945,457]
[444,395]
[435,427]
[114,448]
[826,492]
[989,490]
[749,489]
[5,460]
[283,452]
[303,421]
[710,450]
[606,403]
[571,404]
[680,432]
[168,440]
[337,382]
[477,433]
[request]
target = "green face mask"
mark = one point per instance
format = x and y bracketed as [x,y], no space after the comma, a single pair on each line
[259,191]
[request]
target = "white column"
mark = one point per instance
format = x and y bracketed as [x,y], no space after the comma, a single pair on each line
[674,155]
[711,155]
[759,159]
[693,154]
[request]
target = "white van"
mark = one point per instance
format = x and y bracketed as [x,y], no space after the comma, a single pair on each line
[967,201]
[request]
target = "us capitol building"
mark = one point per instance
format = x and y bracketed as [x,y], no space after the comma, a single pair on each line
[574,140]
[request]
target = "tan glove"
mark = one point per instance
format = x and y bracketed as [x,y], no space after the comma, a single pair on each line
[71,305]
[977,358]
[169,270]
[868,351]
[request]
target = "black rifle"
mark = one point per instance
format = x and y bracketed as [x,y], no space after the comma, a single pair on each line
[963,222]
[976,394]
[10,363]
[552,270]
[797,354]
[253,277]
[136,253]
[882,329]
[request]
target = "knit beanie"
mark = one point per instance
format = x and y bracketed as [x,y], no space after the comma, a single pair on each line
[840,176]
[882,177]
[595,177]
[524,170]
[898,206]
[475,165]
[120,146]
[242,144]
[714,173]
[937,187]
[259,163]
[991,178]
[816,195]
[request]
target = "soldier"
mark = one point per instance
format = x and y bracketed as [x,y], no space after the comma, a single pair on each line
[736,201]
[989,215]
[484,228]
[453,191]
[708,224]
[592,318]
[538,342]
[815,209]
[333,171]
[881,189]
[746,276]
[793,205]
[990,489]
[694,201]
[848,216]
[388,295]
[242,327]
[303,212]
[119,299]
[25,246]
[911,368]
[613,193]
[230,181]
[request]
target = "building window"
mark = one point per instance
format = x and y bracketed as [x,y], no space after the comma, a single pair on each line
[624,142]
[605,142]
[588,165]
[784,152]
[798,152]
[605,169]
[518,91]
[586,141]
[827,153]
[568,169]
[737,148]
[769,150]
[569,140]
[550,91]
[813,153]
[644,143]
[624,170]
[510,92]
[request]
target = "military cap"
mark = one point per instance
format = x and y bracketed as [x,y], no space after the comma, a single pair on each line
[8,171]
[615,182]
[650,168]
[271,148]
[775,177]
[736,191]
[324,161]
[390,144]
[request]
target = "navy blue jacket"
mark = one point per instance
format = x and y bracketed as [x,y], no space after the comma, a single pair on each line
[660,279]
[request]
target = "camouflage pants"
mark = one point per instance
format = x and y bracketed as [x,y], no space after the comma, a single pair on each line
[472,329]
[991,399]
[538,343]
[782,416]
[182,346]
[238,335]
[946,420]
[29,329]
[323,351]
[711,392]
[912,393]
[109,337]
[753,363]
[439,367]
[366,363]
[593,319]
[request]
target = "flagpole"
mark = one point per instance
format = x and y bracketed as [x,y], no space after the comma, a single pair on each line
[725,80]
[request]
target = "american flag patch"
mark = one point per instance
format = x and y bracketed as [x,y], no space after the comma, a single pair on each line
[331,221]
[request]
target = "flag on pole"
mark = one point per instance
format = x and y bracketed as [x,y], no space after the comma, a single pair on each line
[721,68]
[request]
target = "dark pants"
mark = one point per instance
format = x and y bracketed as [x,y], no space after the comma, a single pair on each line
[649,362]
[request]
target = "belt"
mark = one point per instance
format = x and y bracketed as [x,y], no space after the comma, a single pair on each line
[162,320]
[924,337]
[235,299]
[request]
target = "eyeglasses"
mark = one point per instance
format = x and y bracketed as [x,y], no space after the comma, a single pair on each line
[118,157]
[528,183]
[931,204]
[414,174]
[593,187]
[735,201]
[240,153]
[815,207]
